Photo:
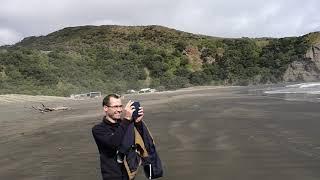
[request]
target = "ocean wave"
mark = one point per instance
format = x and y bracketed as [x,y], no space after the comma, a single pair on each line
[302,88]
[303,85]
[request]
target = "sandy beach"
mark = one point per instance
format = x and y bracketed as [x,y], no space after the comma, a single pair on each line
[201,133]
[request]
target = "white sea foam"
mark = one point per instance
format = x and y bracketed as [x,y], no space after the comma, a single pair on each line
[302,88]
[303,85]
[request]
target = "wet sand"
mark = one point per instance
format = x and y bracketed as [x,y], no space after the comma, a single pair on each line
[208,133]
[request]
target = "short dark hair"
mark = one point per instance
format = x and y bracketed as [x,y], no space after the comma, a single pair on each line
[106,100]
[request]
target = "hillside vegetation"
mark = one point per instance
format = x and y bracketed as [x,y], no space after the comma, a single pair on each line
[118,58]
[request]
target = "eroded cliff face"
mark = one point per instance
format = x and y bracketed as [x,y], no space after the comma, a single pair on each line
[305,70]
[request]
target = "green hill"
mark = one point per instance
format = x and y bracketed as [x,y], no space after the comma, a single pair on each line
[118,58]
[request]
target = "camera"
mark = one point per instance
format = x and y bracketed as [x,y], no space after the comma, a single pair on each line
[136,105]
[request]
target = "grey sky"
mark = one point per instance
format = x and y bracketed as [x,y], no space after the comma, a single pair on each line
[224,18]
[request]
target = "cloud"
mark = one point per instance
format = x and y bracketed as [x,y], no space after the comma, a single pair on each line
[8,36]
[227,18]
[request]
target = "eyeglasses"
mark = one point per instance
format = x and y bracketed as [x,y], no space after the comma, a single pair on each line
[115,107]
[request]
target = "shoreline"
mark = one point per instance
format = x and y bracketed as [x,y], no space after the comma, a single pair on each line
[21,98]
[224,131]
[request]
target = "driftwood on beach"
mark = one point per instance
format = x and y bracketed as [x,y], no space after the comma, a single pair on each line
[44,108]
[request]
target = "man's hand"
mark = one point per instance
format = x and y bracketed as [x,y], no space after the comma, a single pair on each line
[141,114]
[128,110]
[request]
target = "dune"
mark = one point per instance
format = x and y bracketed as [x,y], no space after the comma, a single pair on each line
[18,98]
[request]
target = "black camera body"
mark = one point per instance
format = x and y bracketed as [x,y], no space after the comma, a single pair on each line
[136,105]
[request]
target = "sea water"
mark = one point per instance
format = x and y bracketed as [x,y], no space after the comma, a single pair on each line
[292,92]
[297,92]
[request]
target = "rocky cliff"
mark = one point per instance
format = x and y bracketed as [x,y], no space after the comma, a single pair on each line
[307,69]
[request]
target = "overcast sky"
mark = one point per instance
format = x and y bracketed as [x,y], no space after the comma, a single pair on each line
[224,18]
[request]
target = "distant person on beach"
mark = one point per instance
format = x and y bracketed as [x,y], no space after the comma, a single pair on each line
[109,133]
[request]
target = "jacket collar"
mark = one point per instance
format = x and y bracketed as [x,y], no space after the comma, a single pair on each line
[106,121]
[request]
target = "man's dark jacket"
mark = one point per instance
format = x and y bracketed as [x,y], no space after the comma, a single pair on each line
[108,137]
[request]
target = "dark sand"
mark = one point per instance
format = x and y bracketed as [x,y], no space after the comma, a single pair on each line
[200,134]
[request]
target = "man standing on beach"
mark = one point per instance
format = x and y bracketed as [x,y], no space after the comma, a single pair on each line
[109,134]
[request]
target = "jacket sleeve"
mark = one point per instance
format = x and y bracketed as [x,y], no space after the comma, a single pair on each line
[108,138]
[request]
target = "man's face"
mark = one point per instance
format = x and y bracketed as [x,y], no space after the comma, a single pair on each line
[114,109]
